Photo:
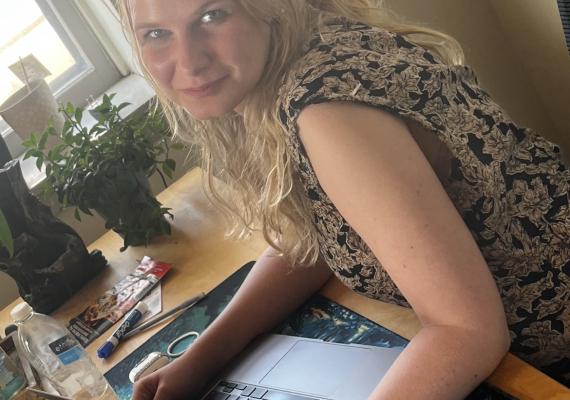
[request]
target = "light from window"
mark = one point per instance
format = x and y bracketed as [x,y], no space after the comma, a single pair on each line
[26,34]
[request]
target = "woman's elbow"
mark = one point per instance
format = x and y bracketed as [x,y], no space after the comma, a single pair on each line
[496,346]
[504,342]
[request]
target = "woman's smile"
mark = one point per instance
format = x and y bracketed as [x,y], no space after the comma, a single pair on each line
[206,90]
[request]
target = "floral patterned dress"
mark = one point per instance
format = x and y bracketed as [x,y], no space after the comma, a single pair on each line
[507,182]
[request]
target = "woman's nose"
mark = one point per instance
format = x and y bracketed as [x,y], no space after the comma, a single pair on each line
[193,56]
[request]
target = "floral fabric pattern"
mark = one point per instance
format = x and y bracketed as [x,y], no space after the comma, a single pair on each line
[507,182]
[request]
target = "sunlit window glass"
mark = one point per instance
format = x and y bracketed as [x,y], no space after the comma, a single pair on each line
[29,46]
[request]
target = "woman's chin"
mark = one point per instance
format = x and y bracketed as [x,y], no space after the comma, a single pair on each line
[209,116]
[205,112]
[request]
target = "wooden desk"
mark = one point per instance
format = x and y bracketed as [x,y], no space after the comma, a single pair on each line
[202,259]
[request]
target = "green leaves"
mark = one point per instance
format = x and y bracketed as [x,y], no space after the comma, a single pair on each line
[6,240]
[78,114]
[168,167]
[102,167]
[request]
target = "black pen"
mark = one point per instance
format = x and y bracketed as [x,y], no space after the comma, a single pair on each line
[160,317]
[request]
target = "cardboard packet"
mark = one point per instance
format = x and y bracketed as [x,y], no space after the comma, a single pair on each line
[117,301]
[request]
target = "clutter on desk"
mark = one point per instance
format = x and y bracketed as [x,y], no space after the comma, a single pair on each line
[153,302]
[57,356]
[151,322]
[135,315]
[112,305]
[194,318]
[318,318]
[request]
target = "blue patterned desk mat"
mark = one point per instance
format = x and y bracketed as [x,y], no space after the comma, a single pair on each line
[318,318]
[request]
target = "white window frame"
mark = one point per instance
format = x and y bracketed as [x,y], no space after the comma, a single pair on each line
[90,27]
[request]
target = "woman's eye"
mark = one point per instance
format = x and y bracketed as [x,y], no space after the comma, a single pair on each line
[213,16]
[155,34]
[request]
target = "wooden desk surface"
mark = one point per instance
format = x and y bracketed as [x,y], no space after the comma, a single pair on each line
[202,259]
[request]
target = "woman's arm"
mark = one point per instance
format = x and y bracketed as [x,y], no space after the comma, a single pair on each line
[371,168]
[271,291]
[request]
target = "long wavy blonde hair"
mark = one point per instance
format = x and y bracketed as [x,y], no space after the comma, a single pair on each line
[248,152]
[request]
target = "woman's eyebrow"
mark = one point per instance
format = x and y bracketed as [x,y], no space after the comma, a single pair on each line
[199,11]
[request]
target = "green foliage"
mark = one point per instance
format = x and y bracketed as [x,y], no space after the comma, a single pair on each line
[106,168]
[6,235]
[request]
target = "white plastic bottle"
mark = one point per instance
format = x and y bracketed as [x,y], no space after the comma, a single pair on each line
[55,353]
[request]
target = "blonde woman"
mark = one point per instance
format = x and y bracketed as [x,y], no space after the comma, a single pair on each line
[361,146]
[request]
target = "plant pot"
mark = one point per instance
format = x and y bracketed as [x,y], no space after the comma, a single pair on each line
[50,261]
[130,209]
[29,111]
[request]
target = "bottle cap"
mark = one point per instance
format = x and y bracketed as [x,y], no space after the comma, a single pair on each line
[105,350]
[21,312]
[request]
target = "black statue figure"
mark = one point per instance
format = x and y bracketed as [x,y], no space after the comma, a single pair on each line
[50,261]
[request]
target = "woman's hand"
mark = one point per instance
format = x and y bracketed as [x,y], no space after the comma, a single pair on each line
[271,291]
[173,381]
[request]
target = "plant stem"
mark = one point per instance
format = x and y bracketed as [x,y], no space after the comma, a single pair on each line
[162,177]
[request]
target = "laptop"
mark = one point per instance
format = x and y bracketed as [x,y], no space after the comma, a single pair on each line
[279,367]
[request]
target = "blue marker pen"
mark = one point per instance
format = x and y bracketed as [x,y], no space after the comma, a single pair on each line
[130,320]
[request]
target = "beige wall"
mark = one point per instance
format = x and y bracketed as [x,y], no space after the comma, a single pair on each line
[535,31]
[518,51]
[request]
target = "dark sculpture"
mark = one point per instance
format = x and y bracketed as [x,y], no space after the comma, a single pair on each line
[50,261]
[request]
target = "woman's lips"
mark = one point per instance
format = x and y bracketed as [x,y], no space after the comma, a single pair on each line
[204,90]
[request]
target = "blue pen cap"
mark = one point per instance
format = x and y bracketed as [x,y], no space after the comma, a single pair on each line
[105,350]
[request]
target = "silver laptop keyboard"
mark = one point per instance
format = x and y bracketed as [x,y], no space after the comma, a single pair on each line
[237,391]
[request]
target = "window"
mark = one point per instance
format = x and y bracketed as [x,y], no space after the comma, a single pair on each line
[56,38]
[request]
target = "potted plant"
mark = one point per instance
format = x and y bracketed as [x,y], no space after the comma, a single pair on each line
[105,168]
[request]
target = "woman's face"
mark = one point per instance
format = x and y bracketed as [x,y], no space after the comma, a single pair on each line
[206,55]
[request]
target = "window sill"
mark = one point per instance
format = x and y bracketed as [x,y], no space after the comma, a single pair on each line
[133,89]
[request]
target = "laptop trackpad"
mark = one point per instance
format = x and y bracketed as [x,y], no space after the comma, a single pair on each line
[315,368]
